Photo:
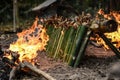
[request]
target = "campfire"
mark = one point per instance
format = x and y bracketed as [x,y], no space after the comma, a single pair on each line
[22,52]
[29,42]
[69,40]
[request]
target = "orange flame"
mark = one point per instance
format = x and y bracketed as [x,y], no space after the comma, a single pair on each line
[113,36]
[30,41]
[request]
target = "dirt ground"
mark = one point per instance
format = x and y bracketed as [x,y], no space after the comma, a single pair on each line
[91,68]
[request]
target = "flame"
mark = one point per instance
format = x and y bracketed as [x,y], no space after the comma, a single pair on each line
[113,36]
[30,41]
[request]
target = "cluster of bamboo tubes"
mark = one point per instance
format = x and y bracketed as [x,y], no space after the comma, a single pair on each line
[68,38]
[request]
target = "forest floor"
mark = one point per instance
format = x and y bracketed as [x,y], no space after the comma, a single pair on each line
[91,68]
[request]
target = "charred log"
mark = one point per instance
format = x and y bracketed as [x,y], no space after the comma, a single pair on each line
[104,26]
[23,66]
[8,61]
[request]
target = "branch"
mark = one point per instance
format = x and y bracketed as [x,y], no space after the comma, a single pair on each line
[38,71]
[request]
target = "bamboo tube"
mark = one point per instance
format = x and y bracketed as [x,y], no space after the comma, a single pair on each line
[67,41]
[50,31]
[73,40]
[55,38]
[82,48]
[59,43]
[75,48]
[107,41]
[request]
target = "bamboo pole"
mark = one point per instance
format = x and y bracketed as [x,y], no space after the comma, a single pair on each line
[52,40]
[50,31]
[82,48]
[73,42]
[68,42]
[56,36]
[72,45]
[78,42]
[59,43]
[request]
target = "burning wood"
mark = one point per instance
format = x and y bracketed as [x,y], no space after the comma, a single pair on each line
[110,44]
[114,36]
[22,52]
[29,42]
[105,26]
[22,66]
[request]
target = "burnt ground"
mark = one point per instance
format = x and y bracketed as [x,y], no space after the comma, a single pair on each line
[91,68]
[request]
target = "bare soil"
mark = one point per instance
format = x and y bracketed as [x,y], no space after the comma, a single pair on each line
[96,65]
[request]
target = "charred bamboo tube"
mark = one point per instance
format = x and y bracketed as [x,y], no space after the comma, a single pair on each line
[82,48]
[107,41]
[104,26]
[38,71]
[75,49]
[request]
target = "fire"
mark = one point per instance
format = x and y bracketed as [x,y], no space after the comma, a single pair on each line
[29,42]
[113,36]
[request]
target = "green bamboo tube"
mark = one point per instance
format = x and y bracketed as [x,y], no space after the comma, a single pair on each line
[72,44]
[82,48]
[59,44]
[55,39]
[51,39]
[64,43]
[67,41]
[50,30]
[107,41]
[75,49]
[72,39]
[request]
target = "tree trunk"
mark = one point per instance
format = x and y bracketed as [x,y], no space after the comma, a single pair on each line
[15,15]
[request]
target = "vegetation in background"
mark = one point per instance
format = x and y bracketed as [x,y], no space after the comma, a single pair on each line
[6,7]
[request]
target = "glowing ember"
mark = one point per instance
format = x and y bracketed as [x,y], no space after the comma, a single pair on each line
[29,42]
